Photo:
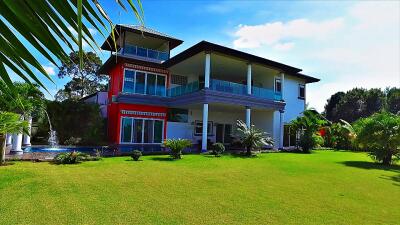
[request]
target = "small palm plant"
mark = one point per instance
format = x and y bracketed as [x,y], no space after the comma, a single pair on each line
[9,123]
[176,146]
[253,138]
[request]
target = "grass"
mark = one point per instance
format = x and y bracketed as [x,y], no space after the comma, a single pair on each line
[325,187]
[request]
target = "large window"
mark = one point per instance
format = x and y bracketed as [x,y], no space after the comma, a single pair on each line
[178,115]
[198,128]
[144,83]
[135,130]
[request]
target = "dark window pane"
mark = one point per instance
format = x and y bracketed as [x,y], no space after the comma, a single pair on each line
[161,86]
[148,131]
[129,81]
[142,52]
[151,84]
[278,85]
[158,130]
[126,130]
[178,115]
[227,133]
[301,91]
[138,130]
[140,82]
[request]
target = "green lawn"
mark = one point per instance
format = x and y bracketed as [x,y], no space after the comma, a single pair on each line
[325,187]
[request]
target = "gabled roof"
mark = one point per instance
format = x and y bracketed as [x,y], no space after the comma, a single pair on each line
[146,31]
[205,46]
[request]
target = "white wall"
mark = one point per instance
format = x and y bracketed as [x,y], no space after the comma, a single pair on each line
[294,105]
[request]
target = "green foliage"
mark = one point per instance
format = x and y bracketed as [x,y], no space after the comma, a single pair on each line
[176,146]
[340,135]
[77,120]
[379,134]
[9,123]
[308,124]
[217,149]
[46,25]
[393,100]
[136,154]
[252,138]
[84,81]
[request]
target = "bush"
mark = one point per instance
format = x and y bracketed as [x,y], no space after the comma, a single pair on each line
[74,157]
[380,135]
[136,154]
[217,149]
[176,146]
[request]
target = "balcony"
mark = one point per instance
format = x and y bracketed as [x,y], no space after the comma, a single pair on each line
[227,87]
[144,53]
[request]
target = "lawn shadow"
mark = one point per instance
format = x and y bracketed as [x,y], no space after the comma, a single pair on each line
[371,165]
[163,159]
[131,160]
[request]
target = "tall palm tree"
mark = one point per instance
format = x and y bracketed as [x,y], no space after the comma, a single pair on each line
[49,26]
[9,123]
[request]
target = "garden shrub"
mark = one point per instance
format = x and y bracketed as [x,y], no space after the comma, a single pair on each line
[136,154]
[217,149]
[74,157]
[176,146]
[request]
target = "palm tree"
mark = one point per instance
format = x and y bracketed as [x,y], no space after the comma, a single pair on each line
[49,26]
[9,123]
[253,138]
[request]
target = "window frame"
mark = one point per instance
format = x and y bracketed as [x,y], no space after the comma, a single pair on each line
[275,83]
[209,131]
[299,91]
[145,82]
[142,131]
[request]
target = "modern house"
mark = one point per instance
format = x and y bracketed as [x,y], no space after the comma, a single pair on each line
[198,94]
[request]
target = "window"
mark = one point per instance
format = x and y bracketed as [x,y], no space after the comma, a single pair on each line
[178,115]
[302,91]
[144,83]
[198,128]
[134,130]
[278,85]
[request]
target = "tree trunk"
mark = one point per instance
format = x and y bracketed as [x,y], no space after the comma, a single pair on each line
[2,148]
[387,159]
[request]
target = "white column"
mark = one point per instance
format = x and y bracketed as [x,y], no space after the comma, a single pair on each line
[205,123]
[17,143]
[27,137]
[249,78]
[9,139]
[281,114]
[248,116]
[282,85]
[207,70]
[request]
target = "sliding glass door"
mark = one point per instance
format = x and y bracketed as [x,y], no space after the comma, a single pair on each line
[140,82]
[138,131]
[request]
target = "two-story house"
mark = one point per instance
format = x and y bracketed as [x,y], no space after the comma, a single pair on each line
[199,94]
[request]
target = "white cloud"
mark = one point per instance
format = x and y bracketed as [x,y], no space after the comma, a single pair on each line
[50,70]
[361,48]
[276,32]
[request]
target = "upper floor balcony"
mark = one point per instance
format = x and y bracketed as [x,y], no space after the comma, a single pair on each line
[142,53]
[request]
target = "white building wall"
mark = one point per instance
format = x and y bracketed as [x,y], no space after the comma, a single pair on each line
[294,106]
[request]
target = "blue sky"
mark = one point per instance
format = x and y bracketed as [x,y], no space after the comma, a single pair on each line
[344,43]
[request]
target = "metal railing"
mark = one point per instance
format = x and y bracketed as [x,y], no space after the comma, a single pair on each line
[184,89]
[145,52]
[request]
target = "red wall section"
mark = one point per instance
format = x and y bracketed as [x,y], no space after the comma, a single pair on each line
[116,80]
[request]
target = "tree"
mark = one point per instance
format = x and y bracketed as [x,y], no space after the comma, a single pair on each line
[49,26]
[252,138]
[9,123]
[354,104]
[380,134]
[308,125]
[84,81]
[393,100]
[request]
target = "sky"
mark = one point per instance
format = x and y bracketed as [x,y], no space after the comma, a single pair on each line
[346,44]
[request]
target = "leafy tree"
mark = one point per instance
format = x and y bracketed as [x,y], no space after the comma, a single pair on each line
[252,138]
[380,134]
[84,81]
[330,107]
[46,26]
[393,100]
[339,135]
[176,146]
[9,123]
[308,125]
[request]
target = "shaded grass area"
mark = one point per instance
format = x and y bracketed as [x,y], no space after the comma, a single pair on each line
[325,187]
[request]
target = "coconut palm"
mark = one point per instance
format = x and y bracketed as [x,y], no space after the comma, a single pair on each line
[53,28]
[9,123]
[253,138]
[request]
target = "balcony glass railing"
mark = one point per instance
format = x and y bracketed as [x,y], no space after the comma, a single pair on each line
[225,86]
[184,89]
[145,52]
